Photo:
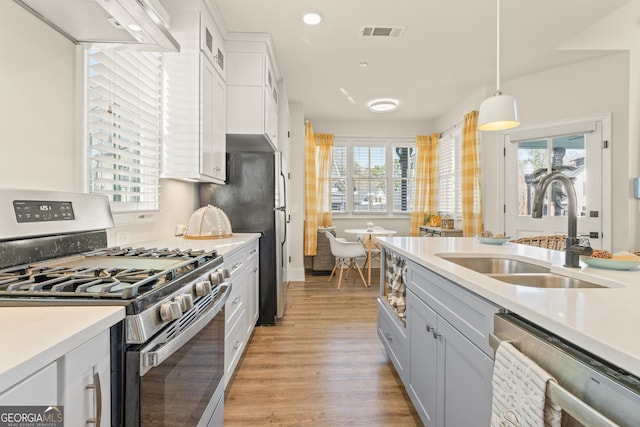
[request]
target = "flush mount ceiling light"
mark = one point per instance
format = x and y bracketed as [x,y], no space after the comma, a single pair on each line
[498,112]
[312,17]
[383,105]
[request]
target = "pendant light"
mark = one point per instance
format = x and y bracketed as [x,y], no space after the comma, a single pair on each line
[498,112]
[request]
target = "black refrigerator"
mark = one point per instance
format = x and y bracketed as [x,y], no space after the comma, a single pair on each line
[253,198]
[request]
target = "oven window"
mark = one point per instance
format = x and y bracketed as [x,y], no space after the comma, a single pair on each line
[177,392]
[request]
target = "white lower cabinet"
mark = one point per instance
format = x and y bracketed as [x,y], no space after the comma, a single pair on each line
[39,388]
[79,381]
[85,374]
[241,309]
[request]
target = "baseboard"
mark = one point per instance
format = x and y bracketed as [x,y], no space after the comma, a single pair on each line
[295,275]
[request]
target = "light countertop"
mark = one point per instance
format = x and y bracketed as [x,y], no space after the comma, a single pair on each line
[604,321]
[33,337]
[223,246]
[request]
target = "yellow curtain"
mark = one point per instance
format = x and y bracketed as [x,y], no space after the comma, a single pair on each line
[470,160]
[310,194]
[324,144]
[424,200]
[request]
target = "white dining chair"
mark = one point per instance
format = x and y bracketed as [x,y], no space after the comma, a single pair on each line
[346,253]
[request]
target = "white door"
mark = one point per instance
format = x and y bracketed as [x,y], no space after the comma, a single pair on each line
[573,148]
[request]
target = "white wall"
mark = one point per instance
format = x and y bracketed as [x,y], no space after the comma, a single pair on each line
[37,82]
[587,88]
[296,192]
[38,147]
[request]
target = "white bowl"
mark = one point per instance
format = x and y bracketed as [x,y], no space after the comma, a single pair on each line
[493,240]
[610,264]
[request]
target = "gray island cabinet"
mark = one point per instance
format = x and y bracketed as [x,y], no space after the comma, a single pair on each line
[443,352]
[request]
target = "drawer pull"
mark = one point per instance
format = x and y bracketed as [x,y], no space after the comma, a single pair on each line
[236,301]
[236,346]
[388,336]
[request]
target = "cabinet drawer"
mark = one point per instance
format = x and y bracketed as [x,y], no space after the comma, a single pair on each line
[234,306]
[233,348]
[251,252]
[468,313]
[393,337]
[235,264]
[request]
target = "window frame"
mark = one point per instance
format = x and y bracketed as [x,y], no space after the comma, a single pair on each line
[390,144]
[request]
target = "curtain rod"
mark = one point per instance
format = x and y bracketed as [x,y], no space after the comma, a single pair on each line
[451,125]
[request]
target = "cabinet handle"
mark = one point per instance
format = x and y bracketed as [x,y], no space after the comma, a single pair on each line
[436,335]
[255,269]
[236,301]
[388,336]
[98,396]
[237,345]
[429,328]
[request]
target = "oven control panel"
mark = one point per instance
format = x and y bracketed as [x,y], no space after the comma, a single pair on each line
[42,211]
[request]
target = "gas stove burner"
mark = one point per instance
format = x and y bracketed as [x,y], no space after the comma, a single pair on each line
[146,253]
[124,273]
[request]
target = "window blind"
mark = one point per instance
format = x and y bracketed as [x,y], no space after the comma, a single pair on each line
[450,176]
[404,174]
[124,102]
[370,179]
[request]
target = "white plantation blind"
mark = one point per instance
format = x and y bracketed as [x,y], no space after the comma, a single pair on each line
[373,175]
[370,178]
[404,175]
[124,124]
[450,176]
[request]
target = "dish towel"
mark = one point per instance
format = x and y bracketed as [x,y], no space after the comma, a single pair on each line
[519,392]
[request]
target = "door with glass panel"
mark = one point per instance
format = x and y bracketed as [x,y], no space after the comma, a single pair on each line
[578,155]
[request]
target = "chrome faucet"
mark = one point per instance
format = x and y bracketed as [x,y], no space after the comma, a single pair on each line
[573,250]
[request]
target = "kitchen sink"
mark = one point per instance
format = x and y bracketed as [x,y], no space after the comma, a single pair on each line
[492,265]
[519,272]
[544,280]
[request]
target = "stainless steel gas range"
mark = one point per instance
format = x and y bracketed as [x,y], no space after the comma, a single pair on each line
[167,356]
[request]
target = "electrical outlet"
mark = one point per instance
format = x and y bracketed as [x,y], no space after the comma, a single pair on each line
[123,238]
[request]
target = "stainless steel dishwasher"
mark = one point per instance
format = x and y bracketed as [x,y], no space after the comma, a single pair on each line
[590,391]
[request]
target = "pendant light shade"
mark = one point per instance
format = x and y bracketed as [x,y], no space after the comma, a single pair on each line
[498,112]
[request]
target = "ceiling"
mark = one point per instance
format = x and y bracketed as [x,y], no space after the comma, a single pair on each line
[446,54]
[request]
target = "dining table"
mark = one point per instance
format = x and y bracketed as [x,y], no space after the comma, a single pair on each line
[369,242]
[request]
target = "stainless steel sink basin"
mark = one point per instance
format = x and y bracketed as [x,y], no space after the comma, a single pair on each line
[544,280]
[518,272]
[491,265]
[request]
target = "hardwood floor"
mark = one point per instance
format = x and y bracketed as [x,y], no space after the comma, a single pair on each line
[323,365]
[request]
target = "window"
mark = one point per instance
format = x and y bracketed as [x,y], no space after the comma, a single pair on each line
[449,193]
[566,154]
[368,172]
[124,103]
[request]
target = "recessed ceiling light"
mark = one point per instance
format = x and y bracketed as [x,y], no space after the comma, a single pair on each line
[312,17]
[134,27]
[383,105]
[364,64]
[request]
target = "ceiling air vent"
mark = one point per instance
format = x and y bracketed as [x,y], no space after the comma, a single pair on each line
[382,31]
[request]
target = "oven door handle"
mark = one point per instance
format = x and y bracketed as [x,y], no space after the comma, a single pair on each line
[153,355]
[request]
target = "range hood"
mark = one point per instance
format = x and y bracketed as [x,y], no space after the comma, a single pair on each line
[140,24]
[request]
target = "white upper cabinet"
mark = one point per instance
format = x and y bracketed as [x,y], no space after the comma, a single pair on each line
[252,90]
[195,97]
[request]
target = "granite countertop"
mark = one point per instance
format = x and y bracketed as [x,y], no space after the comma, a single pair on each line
[603,321]
[34,337]
[223,246]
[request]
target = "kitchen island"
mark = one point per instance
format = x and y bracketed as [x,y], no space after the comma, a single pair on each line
[603,321]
